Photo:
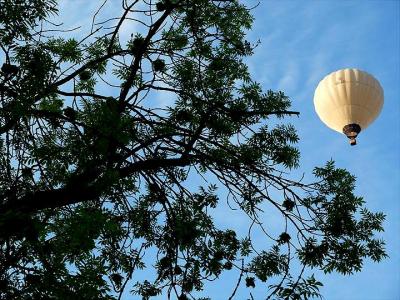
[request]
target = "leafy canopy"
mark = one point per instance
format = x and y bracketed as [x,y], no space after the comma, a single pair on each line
[96,177]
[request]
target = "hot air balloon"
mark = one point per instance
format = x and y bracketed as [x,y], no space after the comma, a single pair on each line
[348,100]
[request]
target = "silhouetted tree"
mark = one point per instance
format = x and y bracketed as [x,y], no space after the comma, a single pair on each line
[94,174]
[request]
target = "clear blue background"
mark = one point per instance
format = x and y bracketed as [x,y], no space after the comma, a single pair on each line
[301,42]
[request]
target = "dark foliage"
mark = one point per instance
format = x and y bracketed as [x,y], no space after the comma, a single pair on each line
[92,184]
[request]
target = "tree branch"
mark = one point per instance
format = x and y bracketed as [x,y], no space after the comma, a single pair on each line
[82,187]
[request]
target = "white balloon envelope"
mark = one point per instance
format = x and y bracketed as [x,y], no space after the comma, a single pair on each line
[348,100]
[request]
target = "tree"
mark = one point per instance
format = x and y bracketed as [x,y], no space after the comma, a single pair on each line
[92,179]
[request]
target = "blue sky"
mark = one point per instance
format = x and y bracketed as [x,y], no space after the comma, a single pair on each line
[301,42]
